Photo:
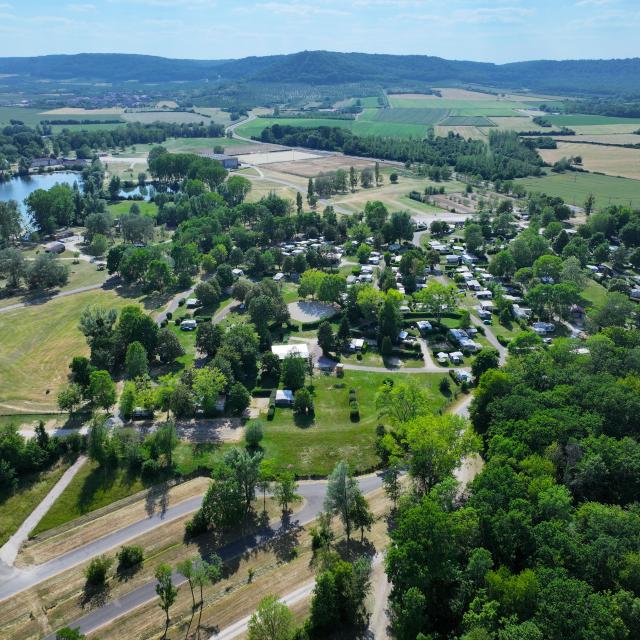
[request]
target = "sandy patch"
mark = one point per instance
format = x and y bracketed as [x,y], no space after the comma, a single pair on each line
[310,310]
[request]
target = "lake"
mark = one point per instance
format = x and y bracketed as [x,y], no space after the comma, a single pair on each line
[19,188]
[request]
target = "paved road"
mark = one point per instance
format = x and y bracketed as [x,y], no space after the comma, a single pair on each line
[13,580]
[42,299]
[9,551]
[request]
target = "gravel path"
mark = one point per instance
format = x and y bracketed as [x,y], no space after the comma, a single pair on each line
[9,551]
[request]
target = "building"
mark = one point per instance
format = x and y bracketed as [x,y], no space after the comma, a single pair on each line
[192,303]
[54,247]
[284,350]
[188,325]
[228,162]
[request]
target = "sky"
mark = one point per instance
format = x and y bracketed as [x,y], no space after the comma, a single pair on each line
[484,30]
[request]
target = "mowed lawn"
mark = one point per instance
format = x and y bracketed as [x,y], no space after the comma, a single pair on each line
[574,188]
[92,487]
[312,447]
[38,343]
[30,492]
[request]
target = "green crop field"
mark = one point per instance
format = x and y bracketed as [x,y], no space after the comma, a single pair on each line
[467,121]
[99,126]
[30,117]
[411,116]
[179,117]
[459,107]
[575,187]
[588,120]
[368,103]
[364,126]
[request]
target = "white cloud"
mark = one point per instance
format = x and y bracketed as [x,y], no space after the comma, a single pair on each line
[81,8]
[299,9]
[593,3]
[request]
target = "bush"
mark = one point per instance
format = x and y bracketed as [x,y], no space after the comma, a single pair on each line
[354,411]
[150,468]
[96,572]
[177,322]
[445,386]
[253,433]
[271,412]
[181,302]
[238,398]
[260,392]
[169,315]
[129,557]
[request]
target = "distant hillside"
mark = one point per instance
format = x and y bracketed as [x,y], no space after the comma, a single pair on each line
[331,68]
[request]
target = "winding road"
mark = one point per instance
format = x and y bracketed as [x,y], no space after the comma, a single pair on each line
[14,580]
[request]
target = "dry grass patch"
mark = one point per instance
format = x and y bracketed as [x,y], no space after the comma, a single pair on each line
[615,161]
[104,521]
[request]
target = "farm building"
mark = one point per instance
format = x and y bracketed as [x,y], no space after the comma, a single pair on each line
[228,162]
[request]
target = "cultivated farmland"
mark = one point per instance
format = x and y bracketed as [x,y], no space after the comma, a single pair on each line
[575,187]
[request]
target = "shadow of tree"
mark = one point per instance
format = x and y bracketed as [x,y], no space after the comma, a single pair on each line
[94,596]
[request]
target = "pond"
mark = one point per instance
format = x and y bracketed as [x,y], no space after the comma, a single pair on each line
[20,187]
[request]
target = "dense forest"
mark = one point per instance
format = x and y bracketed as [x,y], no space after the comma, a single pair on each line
[505,157]
[332,68]
[546,545]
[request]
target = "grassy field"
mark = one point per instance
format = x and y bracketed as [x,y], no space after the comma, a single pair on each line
[411,116]
[37,344]
[588,120]
[146,208]
[313,446]
[82,274]
[30,117]
[30,492]
[90,489]
[575,187]
[614,161]
[594,293]
[467,121]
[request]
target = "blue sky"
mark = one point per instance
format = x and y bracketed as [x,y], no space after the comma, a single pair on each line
[497,30]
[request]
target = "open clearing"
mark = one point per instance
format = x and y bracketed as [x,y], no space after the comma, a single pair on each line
[272,157]
[312,446]
[310,311]
[324,164]
[177,117]
[574,188]
[77,111]
[614,161]
[35,354]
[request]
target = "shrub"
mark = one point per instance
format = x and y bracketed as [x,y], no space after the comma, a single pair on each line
[129,556]
[354,411]
[96,572]
[253,433]
[150,468]
[445,386]
[271,412]
[177,322]
[169,315]
[181,302]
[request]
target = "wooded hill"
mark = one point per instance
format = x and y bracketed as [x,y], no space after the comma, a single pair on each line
[331,68]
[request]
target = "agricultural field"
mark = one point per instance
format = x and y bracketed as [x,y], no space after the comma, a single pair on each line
[255,127]
[589,120]
[467,121]
[411,116]
[605,129]
[178,117]
[610,138]
[489,106]
[574,188]
[35,355]
[614,161]
[105,126]
[217,115]
[475,133]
